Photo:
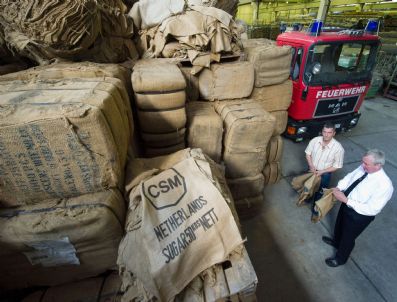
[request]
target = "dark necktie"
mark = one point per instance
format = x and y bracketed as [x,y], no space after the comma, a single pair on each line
[354,184]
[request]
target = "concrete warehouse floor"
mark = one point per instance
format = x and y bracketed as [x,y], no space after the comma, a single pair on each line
[285,247]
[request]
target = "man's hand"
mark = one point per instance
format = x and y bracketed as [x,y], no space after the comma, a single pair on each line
[339,195]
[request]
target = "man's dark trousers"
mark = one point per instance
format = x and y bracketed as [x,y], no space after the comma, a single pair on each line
[349,225]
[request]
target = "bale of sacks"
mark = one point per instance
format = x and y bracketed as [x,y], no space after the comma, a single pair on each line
[61,138]
[112,74]
[271,62]
[60,240]
[159,89]
[247,130]
[276,100]
[205,129]
[180,221]
[233,80]
[192,84]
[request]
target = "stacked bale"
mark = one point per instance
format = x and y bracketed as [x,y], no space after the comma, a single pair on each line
[248,128]
[159,89]
[64,147]
[205,129]
[273,90]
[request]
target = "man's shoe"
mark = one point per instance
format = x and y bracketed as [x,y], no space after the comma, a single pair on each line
[329,241]
[332,262]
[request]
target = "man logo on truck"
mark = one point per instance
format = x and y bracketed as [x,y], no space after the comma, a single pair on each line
[165,190]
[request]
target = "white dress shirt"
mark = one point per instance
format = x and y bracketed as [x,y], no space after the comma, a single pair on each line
[371,194]
[331,155]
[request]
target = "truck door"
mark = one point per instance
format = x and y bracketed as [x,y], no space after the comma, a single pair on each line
[296,71]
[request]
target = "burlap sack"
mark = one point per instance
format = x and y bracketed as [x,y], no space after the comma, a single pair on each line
[56,151]
[165,229]
[157,76]
[271,63]
[257,42]
[192,84]
[246,187]
[59,241]
[324,205]
[281,118]
[227,81]
[274,149]
[306,184]
[163,139]
[274,97]
[160,101]
[102,289]
[272,173]
[238,165]
[12,67]
[205,129]
[248,127]
[158,151]
[162,121]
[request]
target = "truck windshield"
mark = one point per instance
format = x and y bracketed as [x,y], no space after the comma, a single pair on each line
[340,62]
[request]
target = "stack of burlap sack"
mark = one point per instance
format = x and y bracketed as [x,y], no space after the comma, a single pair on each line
[273,90]
[64,136]
[159,90]
[246,103]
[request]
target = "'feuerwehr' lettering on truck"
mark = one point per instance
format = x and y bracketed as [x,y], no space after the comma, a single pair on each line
[340,92]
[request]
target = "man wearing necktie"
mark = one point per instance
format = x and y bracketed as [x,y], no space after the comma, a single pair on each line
[363,194]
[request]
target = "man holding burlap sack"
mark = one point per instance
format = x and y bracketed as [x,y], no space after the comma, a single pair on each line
[324,155]
[363,193]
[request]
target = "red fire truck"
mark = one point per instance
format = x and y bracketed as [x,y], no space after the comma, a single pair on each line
[331,73]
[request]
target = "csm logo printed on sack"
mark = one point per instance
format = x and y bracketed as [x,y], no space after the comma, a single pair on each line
[166,192]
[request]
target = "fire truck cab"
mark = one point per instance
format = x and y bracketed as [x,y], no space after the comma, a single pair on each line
[331,73]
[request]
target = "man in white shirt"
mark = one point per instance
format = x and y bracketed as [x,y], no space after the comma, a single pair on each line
[363,194]
[324,155]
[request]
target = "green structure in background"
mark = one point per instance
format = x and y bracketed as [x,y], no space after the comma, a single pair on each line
[342,13]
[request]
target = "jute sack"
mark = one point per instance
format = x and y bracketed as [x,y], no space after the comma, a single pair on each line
[274,149]
[247,186]
[192,84]
[158,151]
[160,101]
[249,206]
[140,169]
[102,289]
[306,184]
[257,42]
[205,129]
[240,165]
[274,97]
[12,67]
[281,118]
[272,173]
[271,63]
[179,232]
[227,81]
[157,76]
[164,139]
[162,121]
[94,91]
[56,151]
[248,127]
[59,241]
[324,205]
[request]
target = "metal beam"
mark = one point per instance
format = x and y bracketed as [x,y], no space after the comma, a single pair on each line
[323,10]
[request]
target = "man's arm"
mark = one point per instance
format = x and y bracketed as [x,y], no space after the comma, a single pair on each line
[310,163]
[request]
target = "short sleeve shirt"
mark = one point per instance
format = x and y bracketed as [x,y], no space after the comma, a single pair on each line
[323,157]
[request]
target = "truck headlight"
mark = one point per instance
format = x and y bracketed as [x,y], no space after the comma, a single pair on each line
[301,130]
[353,121]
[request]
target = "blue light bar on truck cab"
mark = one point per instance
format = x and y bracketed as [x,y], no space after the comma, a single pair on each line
[372,26]
[315,27]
